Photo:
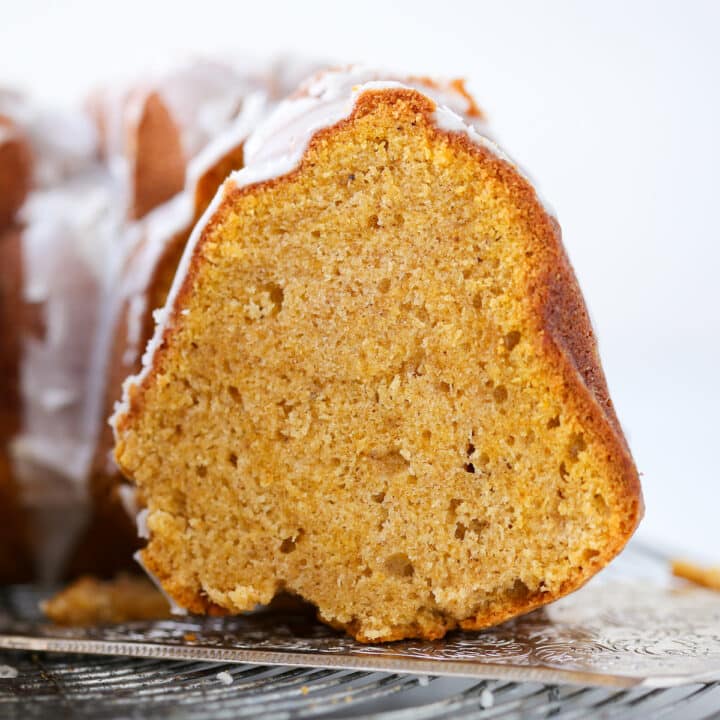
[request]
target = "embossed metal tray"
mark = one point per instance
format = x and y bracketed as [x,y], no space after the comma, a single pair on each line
[631,631]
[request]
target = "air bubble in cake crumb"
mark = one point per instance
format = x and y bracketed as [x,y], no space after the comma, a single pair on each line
[7,672]
[487,699]
[225,677]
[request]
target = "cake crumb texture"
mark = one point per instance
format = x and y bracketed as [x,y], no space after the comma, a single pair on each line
[365,398]
[89,601]
[708,577]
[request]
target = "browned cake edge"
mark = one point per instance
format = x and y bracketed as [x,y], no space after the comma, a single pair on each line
[561,315]
[157,157]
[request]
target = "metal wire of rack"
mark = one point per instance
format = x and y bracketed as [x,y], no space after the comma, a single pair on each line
[92,687]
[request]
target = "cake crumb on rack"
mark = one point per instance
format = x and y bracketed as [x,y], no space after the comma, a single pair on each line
[708,577]
[90,601]
[225,677]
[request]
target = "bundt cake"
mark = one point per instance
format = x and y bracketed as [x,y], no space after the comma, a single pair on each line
[374,383]
[109,198]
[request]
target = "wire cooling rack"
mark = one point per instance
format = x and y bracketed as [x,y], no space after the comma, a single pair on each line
[56,685]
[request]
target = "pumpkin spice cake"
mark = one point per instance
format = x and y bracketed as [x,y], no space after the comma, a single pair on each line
[374,383]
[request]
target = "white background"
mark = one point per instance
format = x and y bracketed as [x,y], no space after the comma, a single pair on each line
[612,107]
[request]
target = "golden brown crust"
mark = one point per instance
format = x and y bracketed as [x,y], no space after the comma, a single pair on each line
[458,85]
[15,171]
[157,157]
[570,337]
[213,177]
[151,143]
[561,318]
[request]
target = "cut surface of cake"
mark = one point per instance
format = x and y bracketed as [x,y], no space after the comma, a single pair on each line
[375,383]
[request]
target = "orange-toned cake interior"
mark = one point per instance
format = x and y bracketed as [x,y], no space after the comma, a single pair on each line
[371,394]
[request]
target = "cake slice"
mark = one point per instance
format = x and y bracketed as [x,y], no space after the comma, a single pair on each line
[374,383]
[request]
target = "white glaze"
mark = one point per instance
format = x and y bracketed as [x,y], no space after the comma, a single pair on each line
[63,142]
[255,107]
[136,311]
[277,146]
[129,499]
[142,524]
[205,95]
[66,239]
